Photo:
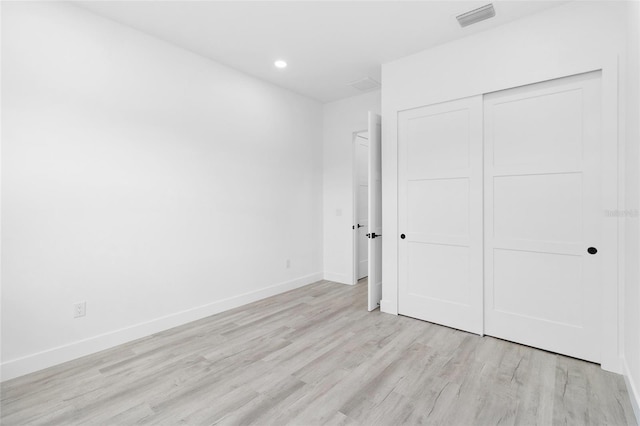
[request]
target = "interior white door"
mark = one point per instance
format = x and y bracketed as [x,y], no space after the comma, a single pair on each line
[440,213]
[375,211]
[543,210]
[362,203]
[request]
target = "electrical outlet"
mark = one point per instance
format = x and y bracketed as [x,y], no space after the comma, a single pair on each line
[288,263]
[79,309]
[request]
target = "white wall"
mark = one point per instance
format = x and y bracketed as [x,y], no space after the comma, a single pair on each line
[341,119]
[631,340]
[155,185]
[564,40]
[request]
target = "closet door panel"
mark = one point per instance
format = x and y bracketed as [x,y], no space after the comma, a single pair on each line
[543,211]
[440,206]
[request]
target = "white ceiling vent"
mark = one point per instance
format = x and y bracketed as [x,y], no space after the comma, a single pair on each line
[476,15]
[364,85]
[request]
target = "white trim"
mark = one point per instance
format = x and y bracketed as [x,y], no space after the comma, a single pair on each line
[633,389]
[338,278]
[611,266]
[50,357]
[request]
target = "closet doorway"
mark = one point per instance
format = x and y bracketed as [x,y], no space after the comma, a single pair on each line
[501,215]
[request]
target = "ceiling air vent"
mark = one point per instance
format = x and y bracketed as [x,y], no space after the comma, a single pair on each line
[365,84]
[476,15]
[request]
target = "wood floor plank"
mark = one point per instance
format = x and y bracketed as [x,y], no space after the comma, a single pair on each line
[315,356]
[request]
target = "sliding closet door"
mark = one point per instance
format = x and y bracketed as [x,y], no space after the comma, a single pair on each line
[543,215]
[440,213]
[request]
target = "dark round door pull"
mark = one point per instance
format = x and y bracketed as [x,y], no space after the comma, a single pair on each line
[592,250]
[403,236]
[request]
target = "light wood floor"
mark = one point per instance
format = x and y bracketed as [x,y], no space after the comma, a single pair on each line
[316,356]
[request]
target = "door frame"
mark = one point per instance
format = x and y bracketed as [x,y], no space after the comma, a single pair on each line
[613,199]
[354,200]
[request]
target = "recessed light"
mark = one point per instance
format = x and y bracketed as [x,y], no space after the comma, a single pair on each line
[280,64]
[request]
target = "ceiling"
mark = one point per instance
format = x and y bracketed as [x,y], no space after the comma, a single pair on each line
[327,44]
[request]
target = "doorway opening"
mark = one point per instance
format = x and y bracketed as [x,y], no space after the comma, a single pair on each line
[367,209]
[360,205]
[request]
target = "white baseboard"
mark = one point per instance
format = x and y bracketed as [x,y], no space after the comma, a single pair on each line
[633,387]
[338,278]
[50,357]
[387,307]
